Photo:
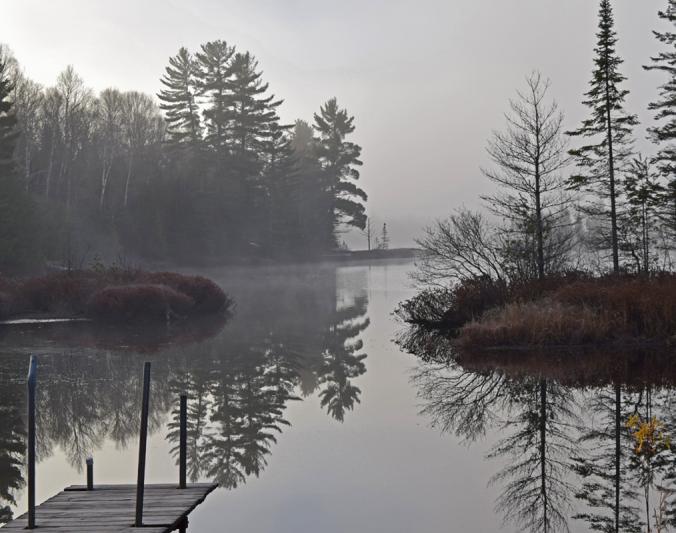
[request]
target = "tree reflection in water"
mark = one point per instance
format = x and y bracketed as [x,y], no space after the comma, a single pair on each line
[12,436]
[292,343]
[584,436]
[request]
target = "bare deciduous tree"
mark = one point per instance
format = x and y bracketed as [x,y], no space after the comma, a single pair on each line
[464,245]
[529,156]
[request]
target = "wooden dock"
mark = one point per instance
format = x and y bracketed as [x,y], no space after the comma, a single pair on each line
[111,509]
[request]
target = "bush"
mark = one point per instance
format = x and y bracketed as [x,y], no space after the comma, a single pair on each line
[91,292]
[208,297]
[61,293]
[138,302]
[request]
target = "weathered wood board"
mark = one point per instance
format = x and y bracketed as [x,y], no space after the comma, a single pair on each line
[111,509]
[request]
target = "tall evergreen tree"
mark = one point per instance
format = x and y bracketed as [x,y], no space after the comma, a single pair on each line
[339,159]
[250,113]
[214,63]
[252,120]
[608,129]
[17,241]
[178,100]
[281,181]
[664,134]
[311,200]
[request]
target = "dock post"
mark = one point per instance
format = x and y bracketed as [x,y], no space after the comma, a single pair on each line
[140,482]
[90,473]
[183,442]
[183,527]
[32,382]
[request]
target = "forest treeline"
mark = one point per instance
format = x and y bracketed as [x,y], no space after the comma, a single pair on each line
[206,171]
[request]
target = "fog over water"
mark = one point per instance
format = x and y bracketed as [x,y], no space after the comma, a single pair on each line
[427,81]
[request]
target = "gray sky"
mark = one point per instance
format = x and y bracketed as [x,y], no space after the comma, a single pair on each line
[427,80]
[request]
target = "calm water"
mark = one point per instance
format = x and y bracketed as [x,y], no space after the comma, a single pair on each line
[312,418]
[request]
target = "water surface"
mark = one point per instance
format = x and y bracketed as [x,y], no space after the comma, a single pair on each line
[311,418]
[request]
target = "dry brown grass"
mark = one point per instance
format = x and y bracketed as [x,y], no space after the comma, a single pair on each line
[584,311]
[545,322]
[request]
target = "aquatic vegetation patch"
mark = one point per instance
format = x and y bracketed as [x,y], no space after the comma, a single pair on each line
[112,295]
[127,303]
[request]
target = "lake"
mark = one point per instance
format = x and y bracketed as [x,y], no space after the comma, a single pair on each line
[311,417]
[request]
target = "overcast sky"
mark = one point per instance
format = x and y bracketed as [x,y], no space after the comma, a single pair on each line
[427,80]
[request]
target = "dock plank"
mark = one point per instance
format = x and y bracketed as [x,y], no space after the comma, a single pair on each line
[111,509]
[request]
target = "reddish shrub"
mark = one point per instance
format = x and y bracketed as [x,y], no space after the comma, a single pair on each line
[73,293]
[208,297]
[62,293]
[139,302]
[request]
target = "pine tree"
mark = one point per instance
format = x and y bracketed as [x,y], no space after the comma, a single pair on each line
[664,134]
[281,182]
[249,114]
[384,238]
[179,100]
[341,361]
[17,242]
[608,129]
[214,63]
[339,159]
[639,221]
[310,200]
[252,123]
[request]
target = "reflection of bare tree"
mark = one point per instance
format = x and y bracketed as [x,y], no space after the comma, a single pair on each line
[536,492]
[537,418]
[85,398]
[465,403]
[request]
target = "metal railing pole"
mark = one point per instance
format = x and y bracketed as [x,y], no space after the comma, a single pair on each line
[140,481]
[90,473]
[183,442]
[32,382]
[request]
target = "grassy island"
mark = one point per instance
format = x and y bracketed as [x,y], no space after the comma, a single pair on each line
[567,310]
[112,295]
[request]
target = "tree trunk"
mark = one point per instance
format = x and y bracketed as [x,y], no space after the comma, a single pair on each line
[543,453]
[618,452]
[611,175]
[128,180]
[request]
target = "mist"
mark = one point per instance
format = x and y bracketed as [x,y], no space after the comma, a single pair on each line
[426,81]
